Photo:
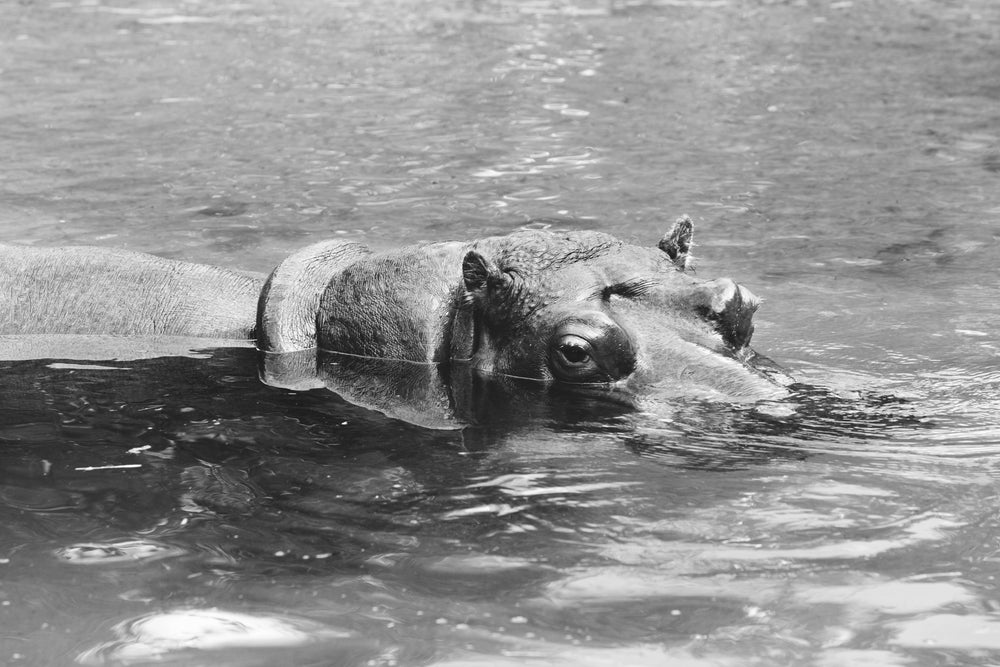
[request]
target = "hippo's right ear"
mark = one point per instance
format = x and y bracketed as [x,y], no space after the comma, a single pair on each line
[478,272]
[677,242]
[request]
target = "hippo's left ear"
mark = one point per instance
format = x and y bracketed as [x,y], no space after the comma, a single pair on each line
[478,272]
[677,242]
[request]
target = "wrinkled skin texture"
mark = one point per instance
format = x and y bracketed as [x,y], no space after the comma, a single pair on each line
[580,311]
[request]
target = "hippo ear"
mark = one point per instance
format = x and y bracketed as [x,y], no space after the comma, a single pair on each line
[477,272]
[677,242]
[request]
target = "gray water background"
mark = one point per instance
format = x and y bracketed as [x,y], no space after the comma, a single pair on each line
[841,159]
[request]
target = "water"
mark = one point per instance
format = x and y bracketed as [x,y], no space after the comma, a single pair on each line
[839,158]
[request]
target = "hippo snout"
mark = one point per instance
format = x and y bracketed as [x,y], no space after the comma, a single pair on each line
[731,308]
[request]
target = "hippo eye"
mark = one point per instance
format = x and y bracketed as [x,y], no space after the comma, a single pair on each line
[590,348]
[574,350]
[572,359]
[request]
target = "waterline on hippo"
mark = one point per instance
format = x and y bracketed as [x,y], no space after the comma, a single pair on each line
[453,395]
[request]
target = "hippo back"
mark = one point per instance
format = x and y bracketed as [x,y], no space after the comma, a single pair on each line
[106,291]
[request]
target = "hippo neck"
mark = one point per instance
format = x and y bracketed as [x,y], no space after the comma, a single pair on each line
[289,300]
[393,305]
[341,297]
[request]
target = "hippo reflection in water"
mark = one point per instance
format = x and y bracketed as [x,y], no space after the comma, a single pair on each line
[578,311]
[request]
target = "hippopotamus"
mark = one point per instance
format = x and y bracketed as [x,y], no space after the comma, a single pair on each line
[580,311]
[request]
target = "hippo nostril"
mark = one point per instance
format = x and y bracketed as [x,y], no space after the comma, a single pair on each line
[732,308]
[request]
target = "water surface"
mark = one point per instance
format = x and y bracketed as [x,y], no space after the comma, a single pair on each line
[841,159]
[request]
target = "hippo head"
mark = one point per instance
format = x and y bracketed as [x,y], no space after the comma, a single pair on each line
[408,331]
[591,313]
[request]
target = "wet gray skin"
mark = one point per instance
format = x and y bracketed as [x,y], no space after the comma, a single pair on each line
[581,311]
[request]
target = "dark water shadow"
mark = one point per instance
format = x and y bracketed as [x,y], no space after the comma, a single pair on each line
[811,421]
[197,406]
[698,433]
[156,436]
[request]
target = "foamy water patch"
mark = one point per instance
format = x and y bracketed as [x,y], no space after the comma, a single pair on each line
[116,553]
[173,635]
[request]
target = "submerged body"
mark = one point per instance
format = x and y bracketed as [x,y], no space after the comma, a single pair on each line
[583,311]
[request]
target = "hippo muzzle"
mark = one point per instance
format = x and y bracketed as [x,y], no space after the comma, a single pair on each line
[688,339]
